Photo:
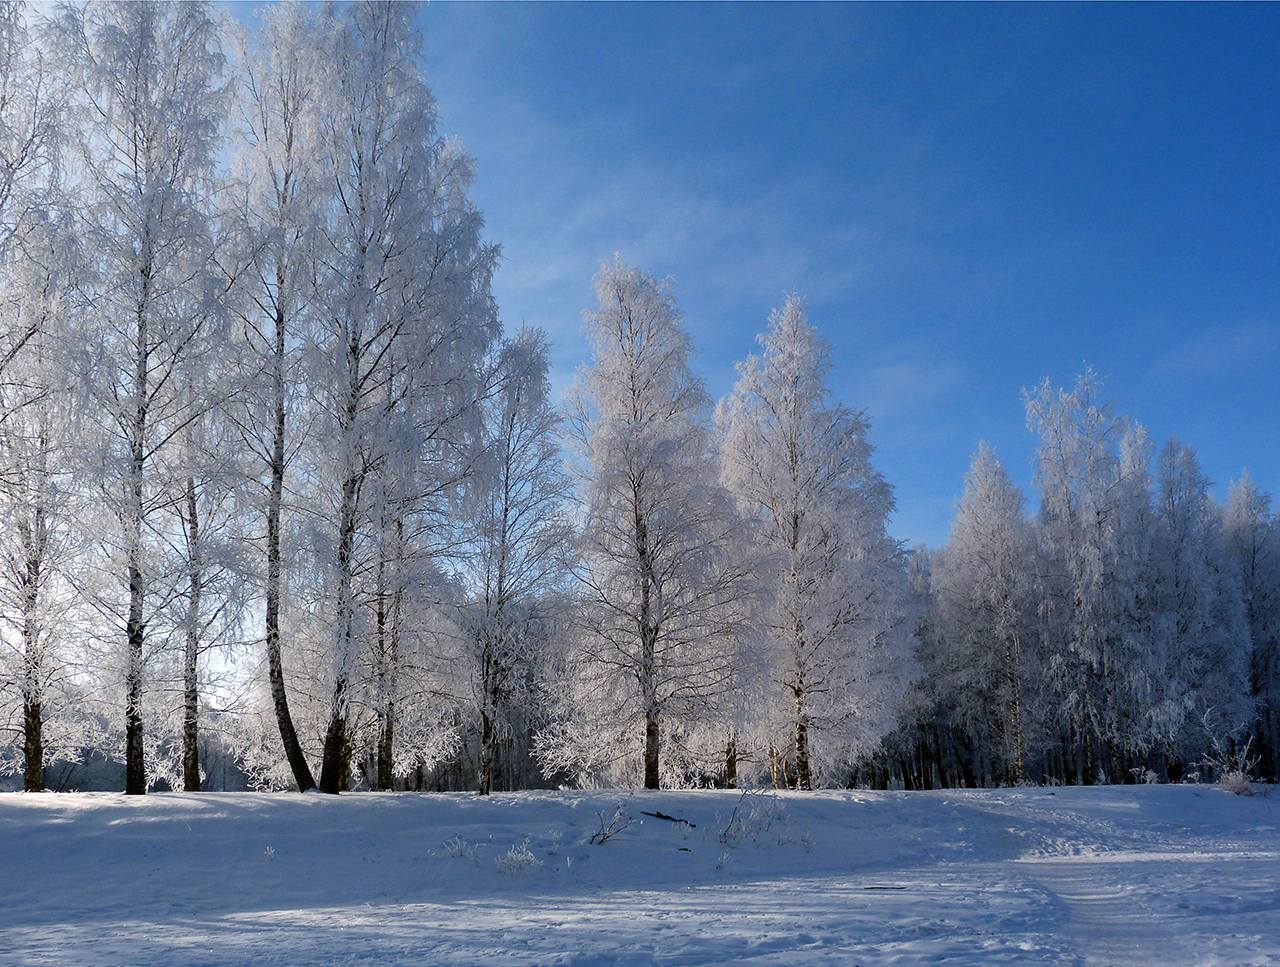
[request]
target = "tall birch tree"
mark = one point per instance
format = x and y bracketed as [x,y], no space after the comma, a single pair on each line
[662,592]
[403,291]
[801,469]
[280,158]
[149,113]
[1201,623]
[37,492]
[519,541]
[1096,532]
[36,267]
[1251,536]
[983,589]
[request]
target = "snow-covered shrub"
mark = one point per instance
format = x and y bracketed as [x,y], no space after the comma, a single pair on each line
[1236,783]
[460,849]
[753,814]
[518,861]
[1233,764]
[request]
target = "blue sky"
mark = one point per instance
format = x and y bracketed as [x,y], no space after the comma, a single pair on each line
[972,198]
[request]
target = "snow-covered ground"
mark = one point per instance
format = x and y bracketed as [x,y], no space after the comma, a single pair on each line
[1168,875]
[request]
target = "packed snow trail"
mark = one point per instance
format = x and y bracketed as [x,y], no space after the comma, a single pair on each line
[1178,876]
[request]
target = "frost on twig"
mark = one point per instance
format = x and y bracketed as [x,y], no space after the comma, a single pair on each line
[611,827]
[752,816]
[518,860]
[459,848]
[1233,762]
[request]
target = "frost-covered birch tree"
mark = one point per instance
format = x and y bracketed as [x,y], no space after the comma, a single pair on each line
[204,559]
[838,624]
[149,110]
[1251,537]
[402,290]
[1096,529]
[519,540]
[983,586]
[661,591]
[280,159]
[36,268]
[38,495]
[1200,622]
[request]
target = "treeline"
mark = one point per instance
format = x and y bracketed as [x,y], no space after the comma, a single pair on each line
[1130,631]
[276,487]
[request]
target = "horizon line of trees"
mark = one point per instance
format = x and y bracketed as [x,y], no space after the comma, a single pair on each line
[272,473]
[1127,632]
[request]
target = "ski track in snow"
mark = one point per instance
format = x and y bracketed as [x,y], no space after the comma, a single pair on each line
[1163,875]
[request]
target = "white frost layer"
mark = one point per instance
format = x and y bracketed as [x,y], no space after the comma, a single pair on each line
[1167,875]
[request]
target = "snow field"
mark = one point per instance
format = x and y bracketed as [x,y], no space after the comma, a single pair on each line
[1168,875]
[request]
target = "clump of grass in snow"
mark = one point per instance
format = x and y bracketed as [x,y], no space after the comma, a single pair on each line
[518,860]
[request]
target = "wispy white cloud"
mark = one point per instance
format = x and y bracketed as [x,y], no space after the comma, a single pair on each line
[910,386]
[1221,352]
[563,192]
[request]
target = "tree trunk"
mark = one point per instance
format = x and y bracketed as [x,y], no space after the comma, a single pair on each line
[135,629]
[335,740]
[731,762]
[490,691]
[32,686]
[191,695]
[386,746]
[135,782]
[33,746]
[275,664]
[348,754]
[803,776]
[803,779]
[486,752]
[385,624]
[648,629]
[651,747]
[1015,709]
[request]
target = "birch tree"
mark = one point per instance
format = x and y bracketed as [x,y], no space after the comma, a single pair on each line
[149,116]
[520,538]
[403,290]
[1096,528]
[1201,612]
[37,492]
[801,468]
[36,267]
[661,590]
[984,611]
[1251,535]
[280,159]
[206,578]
